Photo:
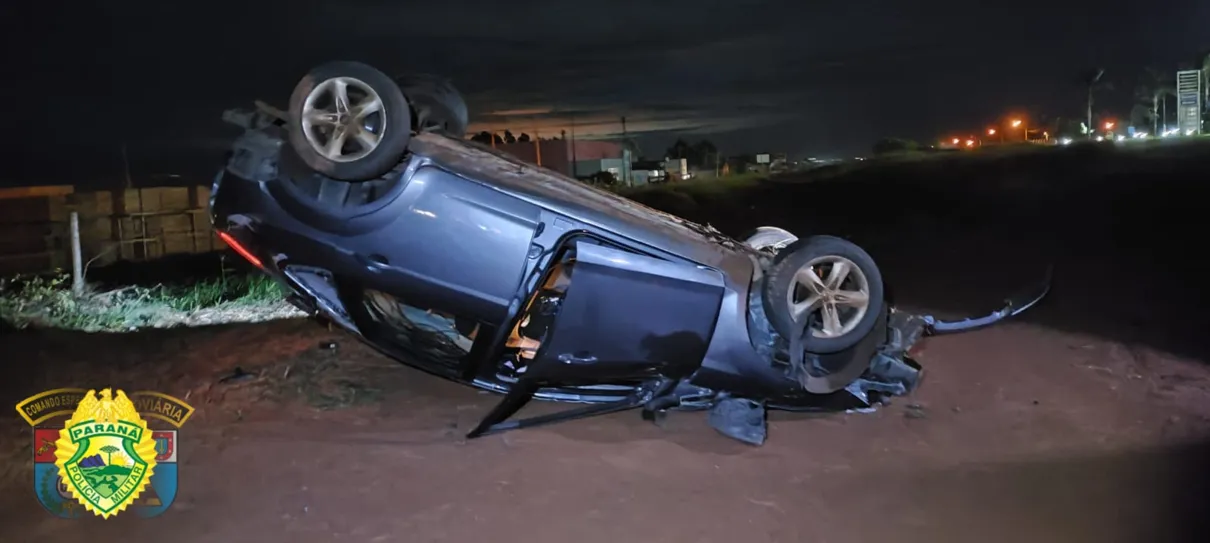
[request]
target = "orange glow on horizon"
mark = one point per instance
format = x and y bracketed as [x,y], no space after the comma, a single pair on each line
[519,112]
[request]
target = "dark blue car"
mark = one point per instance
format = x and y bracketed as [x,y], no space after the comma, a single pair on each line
[366,201]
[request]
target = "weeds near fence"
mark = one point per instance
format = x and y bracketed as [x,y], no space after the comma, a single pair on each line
[48,302]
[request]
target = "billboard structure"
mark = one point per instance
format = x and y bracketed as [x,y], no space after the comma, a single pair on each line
[1189,102]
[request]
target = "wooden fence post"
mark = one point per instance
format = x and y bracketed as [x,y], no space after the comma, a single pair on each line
[77,267]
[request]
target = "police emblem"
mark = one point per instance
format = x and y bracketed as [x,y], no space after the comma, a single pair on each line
[105,458]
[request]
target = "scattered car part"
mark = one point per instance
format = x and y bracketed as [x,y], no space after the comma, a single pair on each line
[1012,307]
[237,375]
[739,418]
[769,238]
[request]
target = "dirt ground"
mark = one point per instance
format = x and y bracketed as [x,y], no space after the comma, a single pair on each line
[1022,434]
[1087,420]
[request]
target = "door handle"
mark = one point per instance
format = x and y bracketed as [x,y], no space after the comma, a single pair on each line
[580,359]
[373,262]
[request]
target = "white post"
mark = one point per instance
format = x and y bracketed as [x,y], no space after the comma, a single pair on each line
[77,267]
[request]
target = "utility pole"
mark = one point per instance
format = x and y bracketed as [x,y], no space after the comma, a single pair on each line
[574,169]
[625,147]
[1092,128]
[538,147]
[1164,113]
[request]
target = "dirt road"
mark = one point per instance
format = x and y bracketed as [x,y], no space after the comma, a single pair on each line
[1019,434]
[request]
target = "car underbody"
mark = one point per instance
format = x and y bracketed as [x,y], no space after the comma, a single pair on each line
[891,370]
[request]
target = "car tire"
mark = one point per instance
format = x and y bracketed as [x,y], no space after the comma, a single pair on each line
[332,205]
[437,106]
[782,290]
[310,137]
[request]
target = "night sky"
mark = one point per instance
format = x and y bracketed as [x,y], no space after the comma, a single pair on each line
[780,76]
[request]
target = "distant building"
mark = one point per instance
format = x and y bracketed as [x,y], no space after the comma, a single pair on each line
[615,166]
[589,156]
[676,168]
[648,171]
[1189,102]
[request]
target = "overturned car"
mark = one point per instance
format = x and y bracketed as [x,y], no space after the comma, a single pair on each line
[364,199]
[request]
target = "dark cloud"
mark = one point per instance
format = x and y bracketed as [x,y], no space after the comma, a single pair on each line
[751,75]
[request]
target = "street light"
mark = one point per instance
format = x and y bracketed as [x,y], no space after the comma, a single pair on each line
[991,131]
[1109,125]
[955,141]
[1024,130]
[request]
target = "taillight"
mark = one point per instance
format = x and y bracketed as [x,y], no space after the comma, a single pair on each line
[239,248]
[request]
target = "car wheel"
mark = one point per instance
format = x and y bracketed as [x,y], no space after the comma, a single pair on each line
[349,121]
[436,105]
[828,284]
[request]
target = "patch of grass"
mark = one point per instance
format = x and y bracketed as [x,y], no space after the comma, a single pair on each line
[688,198]
[47,301]
[698,186]
[249,289]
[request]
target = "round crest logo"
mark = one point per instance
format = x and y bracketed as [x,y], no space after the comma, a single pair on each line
[105,453]
[105,458]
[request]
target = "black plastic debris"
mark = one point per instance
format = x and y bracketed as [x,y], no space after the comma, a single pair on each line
[238,375]
[741,419]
